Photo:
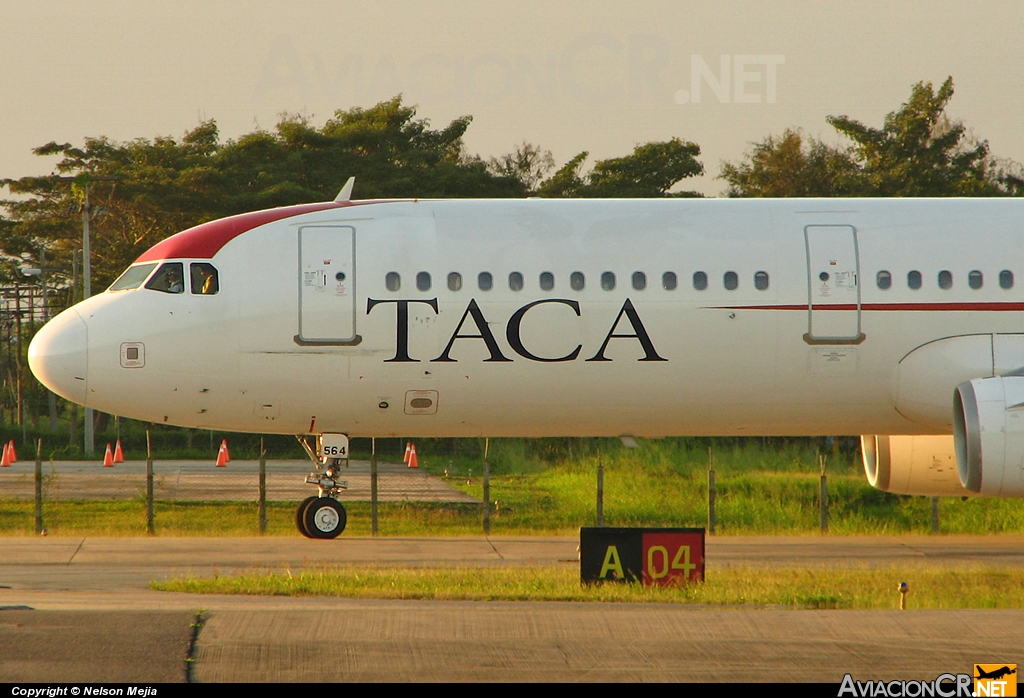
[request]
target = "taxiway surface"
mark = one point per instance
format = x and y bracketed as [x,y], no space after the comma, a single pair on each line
[83,590]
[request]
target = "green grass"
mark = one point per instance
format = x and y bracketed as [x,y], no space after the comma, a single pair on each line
[128,518]
[975,587]
[547,487]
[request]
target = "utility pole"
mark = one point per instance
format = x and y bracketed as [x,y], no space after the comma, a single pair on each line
[73,420]
[51,399]
[90,446]
[85,179]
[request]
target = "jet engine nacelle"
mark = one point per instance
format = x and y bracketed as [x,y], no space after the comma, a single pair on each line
[921,465]
[988,428]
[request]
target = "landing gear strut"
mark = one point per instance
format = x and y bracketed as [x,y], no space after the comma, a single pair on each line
[323,516]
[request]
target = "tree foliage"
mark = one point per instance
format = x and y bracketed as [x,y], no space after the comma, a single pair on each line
[793,165]
[527,163]
[918,151]
[650,171]
[165,185]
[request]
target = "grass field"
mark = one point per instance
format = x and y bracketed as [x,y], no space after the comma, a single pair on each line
[547,487]
[976,587]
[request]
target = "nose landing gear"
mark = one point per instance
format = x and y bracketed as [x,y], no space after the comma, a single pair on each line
[323,516]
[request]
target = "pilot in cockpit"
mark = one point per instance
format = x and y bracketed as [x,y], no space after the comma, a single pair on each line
[169,279]
[174,282]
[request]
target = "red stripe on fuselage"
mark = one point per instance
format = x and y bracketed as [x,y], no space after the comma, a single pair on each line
[206,239]
[929,307]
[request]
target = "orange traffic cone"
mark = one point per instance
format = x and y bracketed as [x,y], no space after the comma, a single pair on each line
[413,462]
[108,458]
[405,458]
[227,453]
[222,455]
[11,453]
[5,460]
[118,453]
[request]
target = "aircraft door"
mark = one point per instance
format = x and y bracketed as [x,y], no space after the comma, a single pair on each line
[833,285]
[327,285]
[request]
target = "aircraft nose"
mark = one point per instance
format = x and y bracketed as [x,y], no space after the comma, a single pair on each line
[58,355]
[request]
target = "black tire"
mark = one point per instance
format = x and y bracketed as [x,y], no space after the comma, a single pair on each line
[325,518]
[300,516]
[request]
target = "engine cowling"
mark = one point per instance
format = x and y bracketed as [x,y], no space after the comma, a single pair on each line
[988,430]
[921,465]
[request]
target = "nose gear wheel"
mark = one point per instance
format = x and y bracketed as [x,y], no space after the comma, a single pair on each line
[324,517]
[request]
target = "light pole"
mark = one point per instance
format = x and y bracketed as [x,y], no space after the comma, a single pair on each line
[85,179]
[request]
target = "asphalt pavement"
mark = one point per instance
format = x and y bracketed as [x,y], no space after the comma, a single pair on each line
[87,599]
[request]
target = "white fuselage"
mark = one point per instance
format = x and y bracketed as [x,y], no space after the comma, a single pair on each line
[285,347]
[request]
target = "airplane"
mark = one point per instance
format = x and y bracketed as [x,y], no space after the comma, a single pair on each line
[898,319]
[996,674]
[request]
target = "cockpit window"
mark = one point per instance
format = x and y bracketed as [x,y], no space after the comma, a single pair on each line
[205,280]
[133,277]
[169,278]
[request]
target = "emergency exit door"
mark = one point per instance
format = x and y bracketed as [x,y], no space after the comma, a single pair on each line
[327,285]
[833,285]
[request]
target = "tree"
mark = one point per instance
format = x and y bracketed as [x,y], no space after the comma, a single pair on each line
[650,171]
[793,165]
[527,164]
[918,151]
[166,185]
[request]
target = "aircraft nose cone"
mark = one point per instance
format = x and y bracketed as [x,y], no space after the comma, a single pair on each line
[58,355]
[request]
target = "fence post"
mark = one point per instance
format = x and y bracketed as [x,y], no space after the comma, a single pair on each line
[373,485]
[600,490]
[39,486]
[823,496]
[712,492]
[150,524]
[487,488]
[263,487]
[935,515]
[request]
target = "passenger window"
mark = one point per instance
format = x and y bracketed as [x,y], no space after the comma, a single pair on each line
[485,281]
[205,281]
[639,281]
[884,280]
[455,281]
[945,279]
[169,278]
[975,280]
[731,280]
[393,281]
[132,277]
[608,281]
[547,281]
[1006,279]
[914,279]
[761,281]
[700,280]
[668,281]
[515,281]
[423,281]
[577,281]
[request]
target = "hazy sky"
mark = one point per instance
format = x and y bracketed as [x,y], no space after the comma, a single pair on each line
[569,76]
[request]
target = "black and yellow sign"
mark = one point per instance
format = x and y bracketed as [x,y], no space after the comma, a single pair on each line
[659,556]
[995,680]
